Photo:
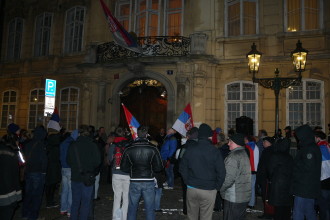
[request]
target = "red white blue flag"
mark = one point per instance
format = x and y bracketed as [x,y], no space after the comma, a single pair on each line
[325,150]
[120,35]
[185,121]
[131,121]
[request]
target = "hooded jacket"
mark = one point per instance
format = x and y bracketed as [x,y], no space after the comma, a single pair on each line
[35,152]
[307,165]
[65,146]
[279,170]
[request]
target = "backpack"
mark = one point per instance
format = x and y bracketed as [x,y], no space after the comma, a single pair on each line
[118,153]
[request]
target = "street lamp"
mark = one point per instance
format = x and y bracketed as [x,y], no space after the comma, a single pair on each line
[299,57]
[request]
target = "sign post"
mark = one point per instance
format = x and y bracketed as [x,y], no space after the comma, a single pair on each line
[50,93]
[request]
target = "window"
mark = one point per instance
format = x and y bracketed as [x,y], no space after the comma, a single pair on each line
[241,17]
[305,104]
[74,29]
[69,108]
[42,34]
[8,111]
[36,110]
[303,15]
[123,14]
[241,100]
[174,16]
[147,15]
[15,33]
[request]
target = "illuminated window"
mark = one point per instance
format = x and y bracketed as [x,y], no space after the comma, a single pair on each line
[15,32]
[241,100]
[36,110]
[42,34]
[241,17]
[123,13]
[74,28]
[69,108]
[174,16]
[8,111]
[305,104]
[303,15]
[147,17]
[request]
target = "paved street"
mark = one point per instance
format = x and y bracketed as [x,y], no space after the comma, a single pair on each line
[171,205]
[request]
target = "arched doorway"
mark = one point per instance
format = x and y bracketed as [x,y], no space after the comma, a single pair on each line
[146,99]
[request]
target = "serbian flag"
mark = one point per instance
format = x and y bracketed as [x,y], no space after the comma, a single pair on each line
[131,121]
[120,35]
[185,121]
[325,150]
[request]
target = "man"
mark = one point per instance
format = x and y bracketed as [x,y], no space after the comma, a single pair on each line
[253,151]
[236,190]
[261,135]
[203,172]
[262,177]
[306,185]
[167,151]
[35,172]
[324,200]
[83,156]
[120,179]
[141,160]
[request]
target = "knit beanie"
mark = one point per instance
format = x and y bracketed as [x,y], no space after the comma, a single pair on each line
[13,128]
[238,138]
[205,131]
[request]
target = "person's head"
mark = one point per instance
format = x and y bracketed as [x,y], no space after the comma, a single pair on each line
[262,133]
[320,136]
[91,130]
[162,131]
[170,131]
[236,140]
[120,132]
[205,131]
[84,130]
[267,142]
[111,137]
[318,128]
[13,129]
[248,138]
[101,130]
[142,131]
[192,133]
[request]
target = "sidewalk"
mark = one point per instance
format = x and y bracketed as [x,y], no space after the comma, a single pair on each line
[171,204]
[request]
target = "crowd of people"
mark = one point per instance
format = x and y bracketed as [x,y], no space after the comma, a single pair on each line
[216,173]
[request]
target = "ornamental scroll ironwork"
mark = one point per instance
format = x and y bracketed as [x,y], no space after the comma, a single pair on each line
[151,46]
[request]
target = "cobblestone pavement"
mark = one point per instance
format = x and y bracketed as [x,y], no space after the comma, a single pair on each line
[171,204]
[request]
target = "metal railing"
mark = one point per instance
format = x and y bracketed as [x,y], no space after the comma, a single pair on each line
[150,46]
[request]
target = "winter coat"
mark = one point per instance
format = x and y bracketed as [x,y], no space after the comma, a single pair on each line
[118,140]
[35,152]
[53,174]
[89,157]
[202,166]
[65,146]
[10,191]
[307,165]
[237,185]
[141,160]
[279,169]
[262,177]
[169,147]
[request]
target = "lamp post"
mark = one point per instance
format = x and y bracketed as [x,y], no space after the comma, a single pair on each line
[299,57]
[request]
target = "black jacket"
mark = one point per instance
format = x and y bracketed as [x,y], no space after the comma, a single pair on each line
[262,177]
[141,160]
[202,166]
[307,165]
[279,169]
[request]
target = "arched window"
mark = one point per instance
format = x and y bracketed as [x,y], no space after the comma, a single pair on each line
[241,100]
[8,110]
[74,29]
[36,109]
[303,15]
[15,32]
[69,108]
[42,34]
[241,17]
[305,104]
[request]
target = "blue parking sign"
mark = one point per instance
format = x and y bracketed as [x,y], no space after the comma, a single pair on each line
[50,88]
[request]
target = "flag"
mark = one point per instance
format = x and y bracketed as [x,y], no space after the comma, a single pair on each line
[54,121]
[120,35]
[325,150]
[131,121]
[185,121]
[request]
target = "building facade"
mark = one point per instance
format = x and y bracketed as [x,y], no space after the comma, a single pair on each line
[192,52]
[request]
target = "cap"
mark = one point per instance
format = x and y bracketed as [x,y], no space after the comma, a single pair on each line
[205,131]
[238,138]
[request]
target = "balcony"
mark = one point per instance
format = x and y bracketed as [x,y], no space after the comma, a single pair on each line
[161,46]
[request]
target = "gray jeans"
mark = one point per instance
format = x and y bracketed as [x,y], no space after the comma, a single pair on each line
[200,203]
[234,211]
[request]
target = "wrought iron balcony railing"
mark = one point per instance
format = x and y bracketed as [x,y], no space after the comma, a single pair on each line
[151,46]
